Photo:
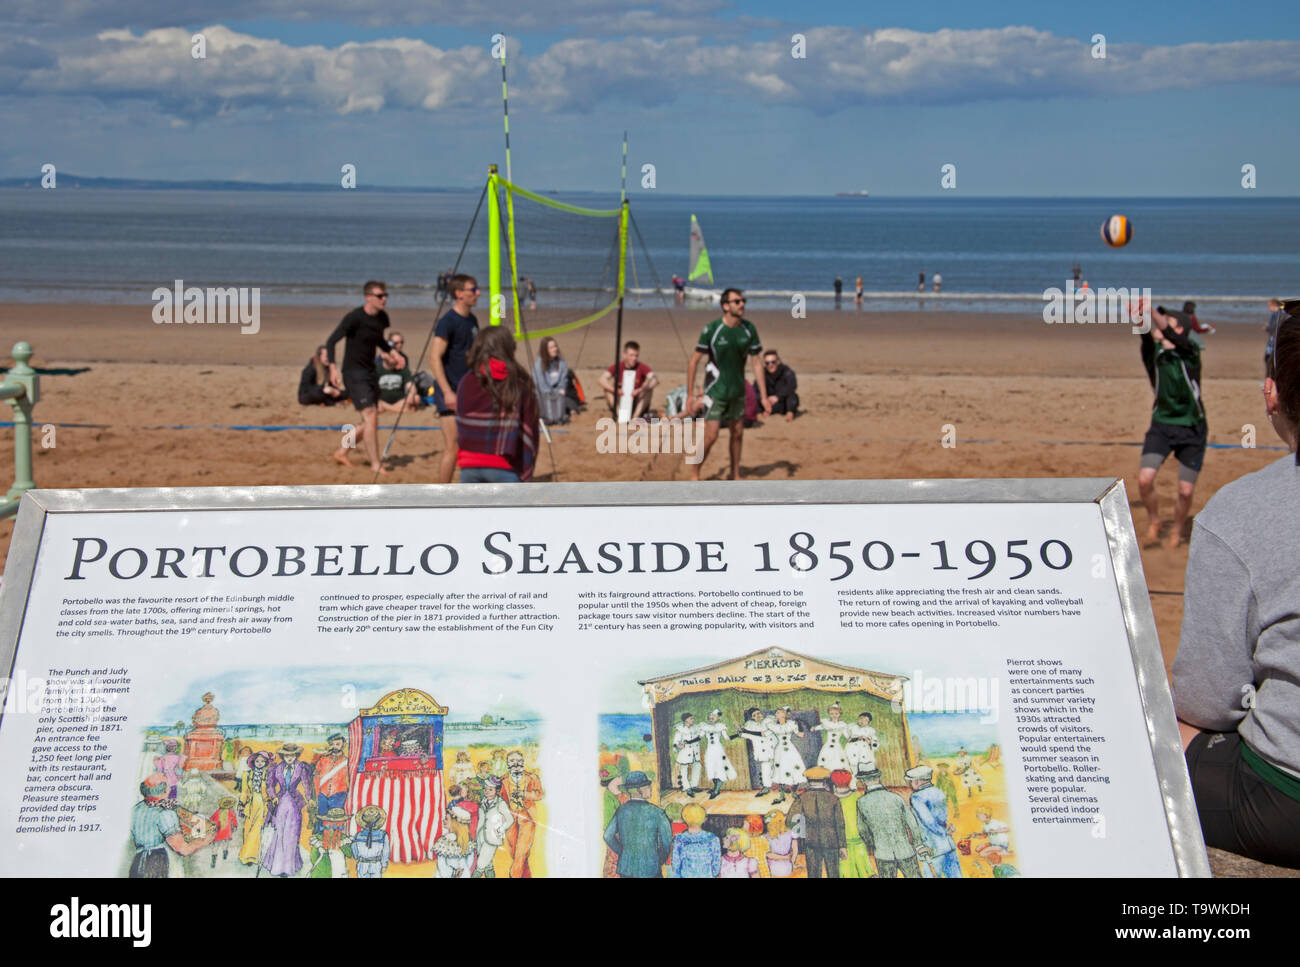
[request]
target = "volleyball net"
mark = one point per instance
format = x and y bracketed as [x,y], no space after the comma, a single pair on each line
[574,253]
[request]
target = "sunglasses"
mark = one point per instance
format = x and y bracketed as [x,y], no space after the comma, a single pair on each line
[738,302]
[380,295]
[470,288]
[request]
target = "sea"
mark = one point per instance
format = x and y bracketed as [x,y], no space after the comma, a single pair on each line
[624,731]
[107,245]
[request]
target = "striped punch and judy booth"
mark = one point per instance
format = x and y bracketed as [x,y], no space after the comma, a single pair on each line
[395,760]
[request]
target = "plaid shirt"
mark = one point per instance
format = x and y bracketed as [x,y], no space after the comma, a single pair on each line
[482,429]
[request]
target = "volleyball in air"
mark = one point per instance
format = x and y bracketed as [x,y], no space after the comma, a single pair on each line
[1117,231]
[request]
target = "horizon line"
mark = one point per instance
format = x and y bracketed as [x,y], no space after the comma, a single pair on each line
[214,184]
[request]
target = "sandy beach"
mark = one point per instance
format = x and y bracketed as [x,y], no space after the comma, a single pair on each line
[1025,400]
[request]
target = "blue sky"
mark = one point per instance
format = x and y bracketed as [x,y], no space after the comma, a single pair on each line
[407,90]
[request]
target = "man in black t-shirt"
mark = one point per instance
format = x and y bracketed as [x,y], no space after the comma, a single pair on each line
[364,329]
[780,384]
[451,341]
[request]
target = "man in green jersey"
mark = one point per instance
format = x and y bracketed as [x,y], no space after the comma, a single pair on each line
[726,343]
[1173,364]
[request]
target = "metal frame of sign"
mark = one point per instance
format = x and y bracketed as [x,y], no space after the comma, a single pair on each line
[1108,493]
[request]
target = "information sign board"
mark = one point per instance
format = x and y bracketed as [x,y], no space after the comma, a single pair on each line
[931,678]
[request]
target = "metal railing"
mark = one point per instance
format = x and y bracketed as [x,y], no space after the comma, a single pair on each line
[21,389]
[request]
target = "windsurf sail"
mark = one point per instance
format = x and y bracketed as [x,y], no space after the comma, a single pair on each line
[701,270]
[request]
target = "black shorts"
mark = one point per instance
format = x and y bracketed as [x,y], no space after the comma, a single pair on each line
[440,403]
[362,386]
[1239,811]
[1187,443]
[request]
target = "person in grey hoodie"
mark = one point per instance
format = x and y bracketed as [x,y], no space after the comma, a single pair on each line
[1236,679]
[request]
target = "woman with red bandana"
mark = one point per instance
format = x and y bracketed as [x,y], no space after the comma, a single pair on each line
[496,413]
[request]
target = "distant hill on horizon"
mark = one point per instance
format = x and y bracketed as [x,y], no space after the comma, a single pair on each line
[68,180]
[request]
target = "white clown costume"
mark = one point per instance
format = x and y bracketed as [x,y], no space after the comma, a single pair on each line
[788,766]
[831,755]
[717,767]
[861,748]
[686,738]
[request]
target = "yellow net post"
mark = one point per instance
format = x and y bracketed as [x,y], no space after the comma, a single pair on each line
[514,266]
[496,304]
[622,250]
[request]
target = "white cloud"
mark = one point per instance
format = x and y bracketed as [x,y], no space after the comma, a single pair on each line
[241,70]
[843,68]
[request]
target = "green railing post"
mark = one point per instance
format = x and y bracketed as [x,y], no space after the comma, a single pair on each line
[22,375]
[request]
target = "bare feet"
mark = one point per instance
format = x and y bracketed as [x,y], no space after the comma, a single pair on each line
[379,471]
[1153,530]
[789,416]
[1173,540]
[341,456]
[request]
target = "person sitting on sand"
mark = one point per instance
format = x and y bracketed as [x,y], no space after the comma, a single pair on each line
[396,386]
[1173,365]
[781,384]
[996,835]
[551,377]
[314,386]
[1236,678]
[611,380]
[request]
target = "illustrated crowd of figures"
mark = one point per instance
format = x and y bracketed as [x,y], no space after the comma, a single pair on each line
[276,795]
[842,823]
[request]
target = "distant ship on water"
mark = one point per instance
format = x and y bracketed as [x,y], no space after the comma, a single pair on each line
[860,193]
[488,724]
